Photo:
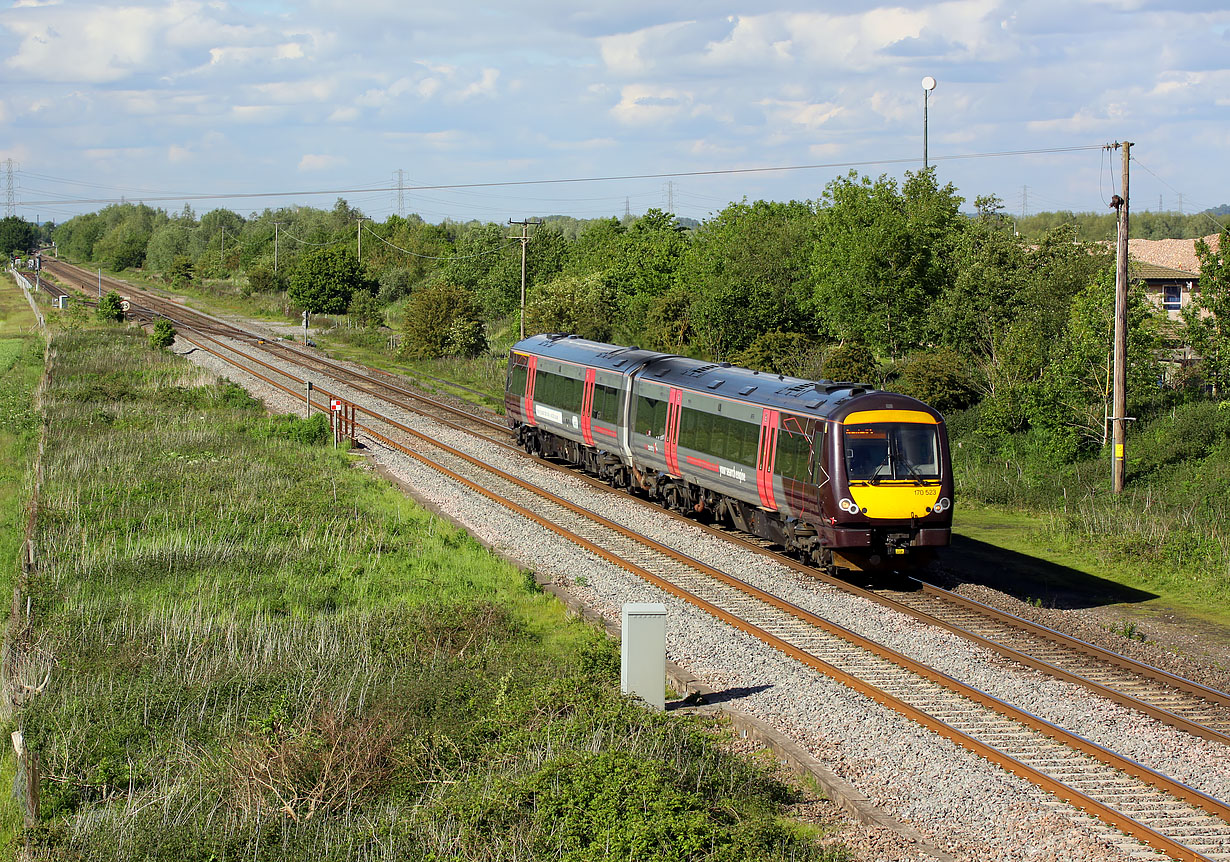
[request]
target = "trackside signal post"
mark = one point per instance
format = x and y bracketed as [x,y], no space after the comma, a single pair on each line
[1118,417]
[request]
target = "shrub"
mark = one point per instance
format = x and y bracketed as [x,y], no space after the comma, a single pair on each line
[162,336]
[181,272]
[939,378]
[262,279]
[776,353]
[441,320]
[287,426]
[109,307]
[850,361]
[364,309]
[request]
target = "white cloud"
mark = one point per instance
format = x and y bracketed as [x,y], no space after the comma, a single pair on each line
[297,92]
[642,104]
[178,155]
[632,54]
[808,115]
[484,86]
[347,114]
[318,162]
[257,113]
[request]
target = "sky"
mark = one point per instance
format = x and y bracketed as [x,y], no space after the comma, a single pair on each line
[505,110]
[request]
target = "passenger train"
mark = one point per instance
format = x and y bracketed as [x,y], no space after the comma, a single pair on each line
[838,474]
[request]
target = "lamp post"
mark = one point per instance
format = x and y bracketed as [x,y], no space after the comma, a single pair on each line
[928,84]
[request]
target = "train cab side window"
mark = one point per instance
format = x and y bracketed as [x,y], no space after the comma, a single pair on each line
[517,376]
[650,417]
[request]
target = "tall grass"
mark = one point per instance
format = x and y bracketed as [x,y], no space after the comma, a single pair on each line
[256,650]
[1171,526]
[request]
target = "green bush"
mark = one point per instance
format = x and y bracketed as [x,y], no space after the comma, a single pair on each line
[109,307]
[1190,432]
[287,426]
[939,378]
[850,362]
[162,336]
[776,353]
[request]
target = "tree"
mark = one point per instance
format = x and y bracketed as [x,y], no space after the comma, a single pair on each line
[180,272]
[748,270]
[365,310]
[17,235]
[488,263]
[1208,316]
[790,353]
[581,305]
[441,320]
[879,260]
[325,279]
[851,362]
[166,243]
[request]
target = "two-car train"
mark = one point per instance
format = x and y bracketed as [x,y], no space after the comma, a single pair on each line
[839,474]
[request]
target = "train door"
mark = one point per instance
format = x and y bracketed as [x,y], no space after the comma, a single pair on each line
[766,455]
[587,408]
[673,411]
[531,377]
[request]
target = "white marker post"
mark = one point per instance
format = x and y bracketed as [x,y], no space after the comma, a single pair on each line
[642,652]
[334,406]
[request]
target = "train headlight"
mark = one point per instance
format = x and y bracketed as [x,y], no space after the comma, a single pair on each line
[943,504]
[848,505]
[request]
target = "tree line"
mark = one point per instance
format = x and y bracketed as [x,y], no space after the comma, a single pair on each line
[877,280]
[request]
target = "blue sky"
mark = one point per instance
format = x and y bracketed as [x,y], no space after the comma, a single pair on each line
[155,101]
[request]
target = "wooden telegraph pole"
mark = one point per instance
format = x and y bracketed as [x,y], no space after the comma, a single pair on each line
[525,239]
[1119,407]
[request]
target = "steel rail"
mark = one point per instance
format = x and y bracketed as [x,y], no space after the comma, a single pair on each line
[1126,765]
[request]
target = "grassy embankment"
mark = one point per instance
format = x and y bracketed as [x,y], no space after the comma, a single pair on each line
[21,365]
[261,651]
[1168,534]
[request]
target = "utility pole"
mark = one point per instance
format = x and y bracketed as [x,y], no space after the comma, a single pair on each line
[275,247]
[10,198]
[1119,406]
[525,240]
[401,199]
[670,196]
[222,250]
[360,240]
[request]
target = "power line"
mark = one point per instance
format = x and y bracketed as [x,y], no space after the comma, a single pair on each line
[596,179]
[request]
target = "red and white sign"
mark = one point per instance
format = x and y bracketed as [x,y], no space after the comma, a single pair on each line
[335,404]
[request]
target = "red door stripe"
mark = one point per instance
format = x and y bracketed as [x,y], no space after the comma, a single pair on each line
[766,456]
[587,408]
[530,377]
[674,407]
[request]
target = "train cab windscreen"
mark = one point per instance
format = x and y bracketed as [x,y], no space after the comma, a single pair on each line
[893,451]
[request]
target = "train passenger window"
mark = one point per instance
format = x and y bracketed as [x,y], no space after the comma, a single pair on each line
[650,417]
[606,403]
[695,430]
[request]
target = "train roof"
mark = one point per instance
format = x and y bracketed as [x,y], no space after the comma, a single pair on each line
[821,398]
[760,387]
[573,348]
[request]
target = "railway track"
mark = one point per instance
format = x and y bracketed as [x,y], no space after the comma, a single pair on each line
[1137,800]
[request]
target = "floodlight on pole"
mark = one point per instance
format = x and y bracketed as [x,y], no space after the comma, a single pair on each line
[928,84]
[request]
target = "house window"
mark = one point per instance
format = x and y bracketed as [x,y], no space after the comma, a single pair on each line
[1172,296]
